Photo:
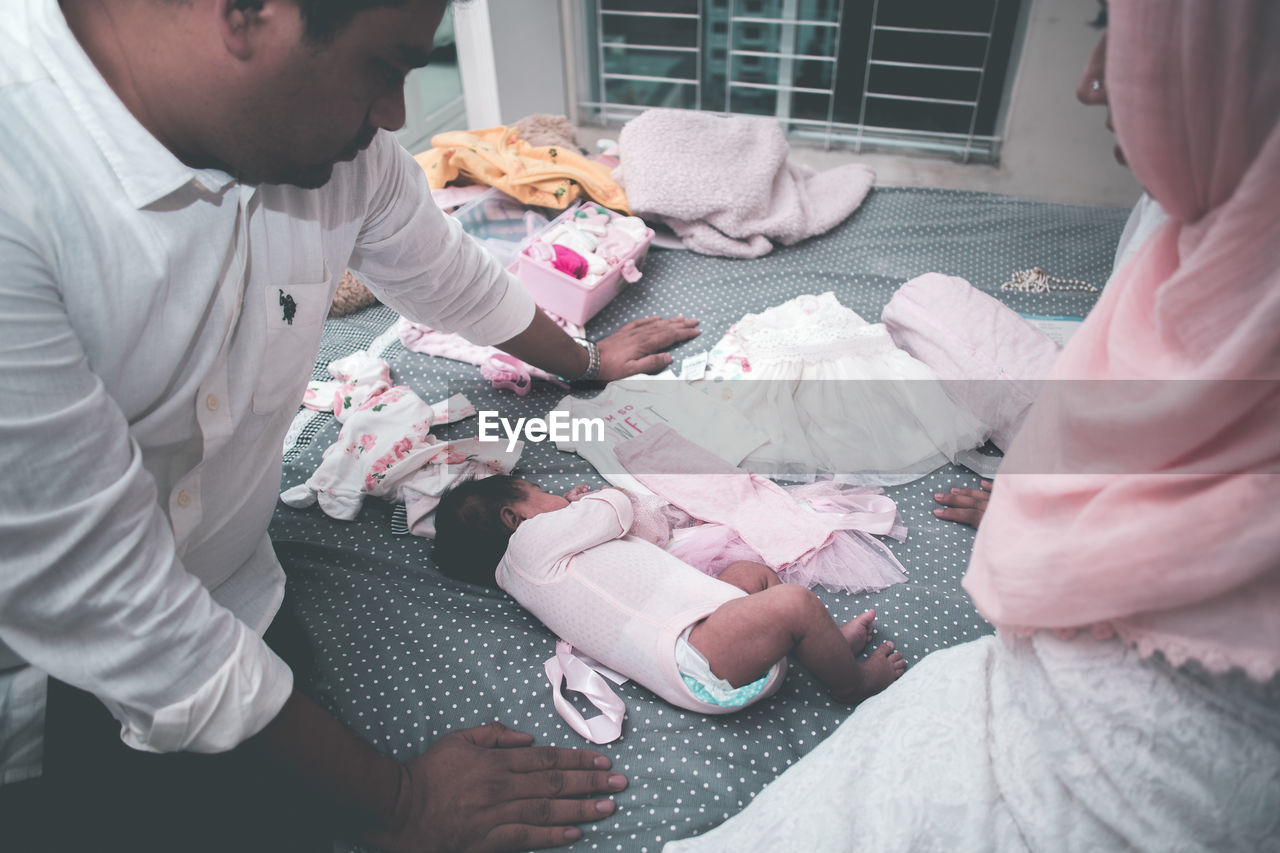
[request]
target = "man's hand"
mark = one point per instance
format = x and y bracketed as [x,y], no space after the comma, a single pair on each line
[966,506]
[485,789]
[637,346]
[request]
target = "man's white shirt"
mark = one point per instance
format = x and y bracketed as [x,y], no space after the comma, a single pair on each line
[158,325]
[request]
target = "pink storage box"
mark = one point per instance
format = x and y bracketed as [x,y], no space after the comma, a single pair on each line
[562,294]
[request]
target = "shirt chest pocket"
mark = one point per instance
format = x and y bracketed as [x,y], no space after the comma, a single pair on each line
[294,317]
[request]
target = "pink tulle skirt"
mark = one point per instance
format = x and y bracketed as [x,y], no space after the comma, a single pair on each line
[850,560]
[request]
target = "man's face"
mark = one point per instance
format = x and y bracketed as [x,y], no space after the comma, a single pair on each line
[314,104]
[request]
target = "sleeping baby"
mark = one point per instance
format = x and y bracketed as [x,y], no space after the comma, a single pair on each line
[705,644]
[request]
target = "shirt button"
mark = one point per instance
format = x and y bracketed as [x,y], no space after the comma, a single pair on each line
[211,402]
[184,499]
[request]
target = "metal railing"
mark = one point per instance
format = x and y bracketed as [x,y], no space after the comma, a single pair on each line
[922,85]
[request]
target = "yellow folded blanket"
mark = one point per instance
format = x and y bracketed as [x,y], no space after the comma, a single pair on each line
[548,176]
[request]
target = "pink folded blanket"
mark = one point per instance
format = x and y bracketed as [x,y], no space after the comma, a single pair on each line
[724,185]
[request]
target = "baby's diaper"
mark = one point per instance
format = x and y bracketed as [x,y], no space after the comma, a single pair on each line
[706,685]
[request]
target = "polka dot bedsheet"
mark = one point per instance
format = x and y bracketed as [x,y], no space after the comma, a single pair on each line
[403,655]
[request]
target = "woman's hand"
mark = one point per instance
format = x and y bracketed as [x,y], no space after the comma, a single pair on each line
[966,506]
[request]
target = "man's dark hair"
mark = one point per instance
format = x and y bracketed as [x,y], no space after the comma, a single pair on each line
[324,19]
[470,535]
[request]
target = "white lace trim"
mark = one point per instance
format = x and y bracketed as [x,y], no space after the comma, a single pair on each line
[810,328]
[1261,666]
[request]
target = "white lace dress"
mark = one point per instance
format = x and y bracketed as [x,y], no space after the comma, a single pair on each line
[1038,744]
[836,397]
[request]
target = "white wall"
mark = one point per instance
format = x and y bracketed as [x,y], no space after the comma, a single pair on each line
[511,54]
[529,53]
[1054,145]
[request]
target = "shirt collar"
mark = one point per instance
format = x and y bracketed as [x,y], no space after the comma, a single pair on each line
[147,171]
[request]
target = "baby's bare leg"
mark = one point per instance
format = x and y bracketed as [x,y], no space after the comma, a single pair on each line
[744,637]
[750,577]
[753,577]
[756,577]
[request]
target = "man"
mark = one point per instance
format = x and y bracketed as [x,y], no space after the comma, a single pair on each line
[181,184]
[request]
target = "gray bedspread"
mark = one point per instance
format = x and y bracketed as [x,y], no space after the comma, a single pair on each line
[403,655]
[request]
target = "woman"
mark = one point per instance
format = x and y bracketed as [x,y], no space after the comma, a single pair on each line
[1130,554]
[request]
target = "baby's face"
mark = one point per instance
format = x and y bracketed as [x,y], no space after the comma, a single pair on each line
[535,502]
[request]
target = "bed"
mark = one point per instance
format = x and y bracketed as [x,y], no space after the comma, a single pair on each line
[402,655]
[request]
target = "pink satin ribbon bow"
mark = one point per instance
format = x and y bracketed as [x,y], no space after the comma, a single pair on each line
[577,676]
[508,373]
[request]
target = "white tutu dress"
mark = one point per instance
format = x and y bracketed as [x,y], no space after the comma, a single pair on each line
[836,396]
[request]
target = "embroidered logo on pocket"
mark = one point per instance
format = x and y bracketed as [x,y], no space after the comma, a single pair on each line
[288,307]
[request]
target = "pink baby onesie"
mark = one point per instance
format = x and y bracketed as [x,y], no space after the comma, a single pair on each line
[817,533]
[619,599]
[421,338]
[708,488]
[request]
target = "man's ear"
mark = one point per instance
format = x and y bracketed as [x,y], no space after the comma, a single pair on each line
[239,22]
[510,518]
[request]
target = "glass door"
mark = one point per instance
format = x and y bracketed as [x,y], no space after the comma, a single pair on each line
[433,94]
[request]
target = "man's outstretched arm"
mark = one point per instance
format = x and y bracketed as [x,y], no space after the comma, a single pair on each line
[637,347]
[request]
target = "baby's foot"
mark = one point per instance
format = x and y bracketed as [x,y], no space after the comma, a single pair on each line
[877,672]
[858,630]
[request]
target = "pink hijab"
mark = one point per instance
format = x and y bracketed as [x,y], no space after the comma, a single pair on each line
[1151,508]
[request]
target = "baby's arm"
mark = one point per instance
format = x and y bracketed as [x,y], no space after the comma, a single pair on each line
[580,491]
[551,536]
[577,493]
[654,517]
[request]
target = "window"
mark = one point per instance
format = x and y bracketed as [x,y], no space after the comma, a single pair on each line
[929,75]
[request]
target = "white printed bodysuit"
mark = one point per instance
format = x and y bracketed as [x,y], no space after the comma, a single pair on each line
[630,407]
